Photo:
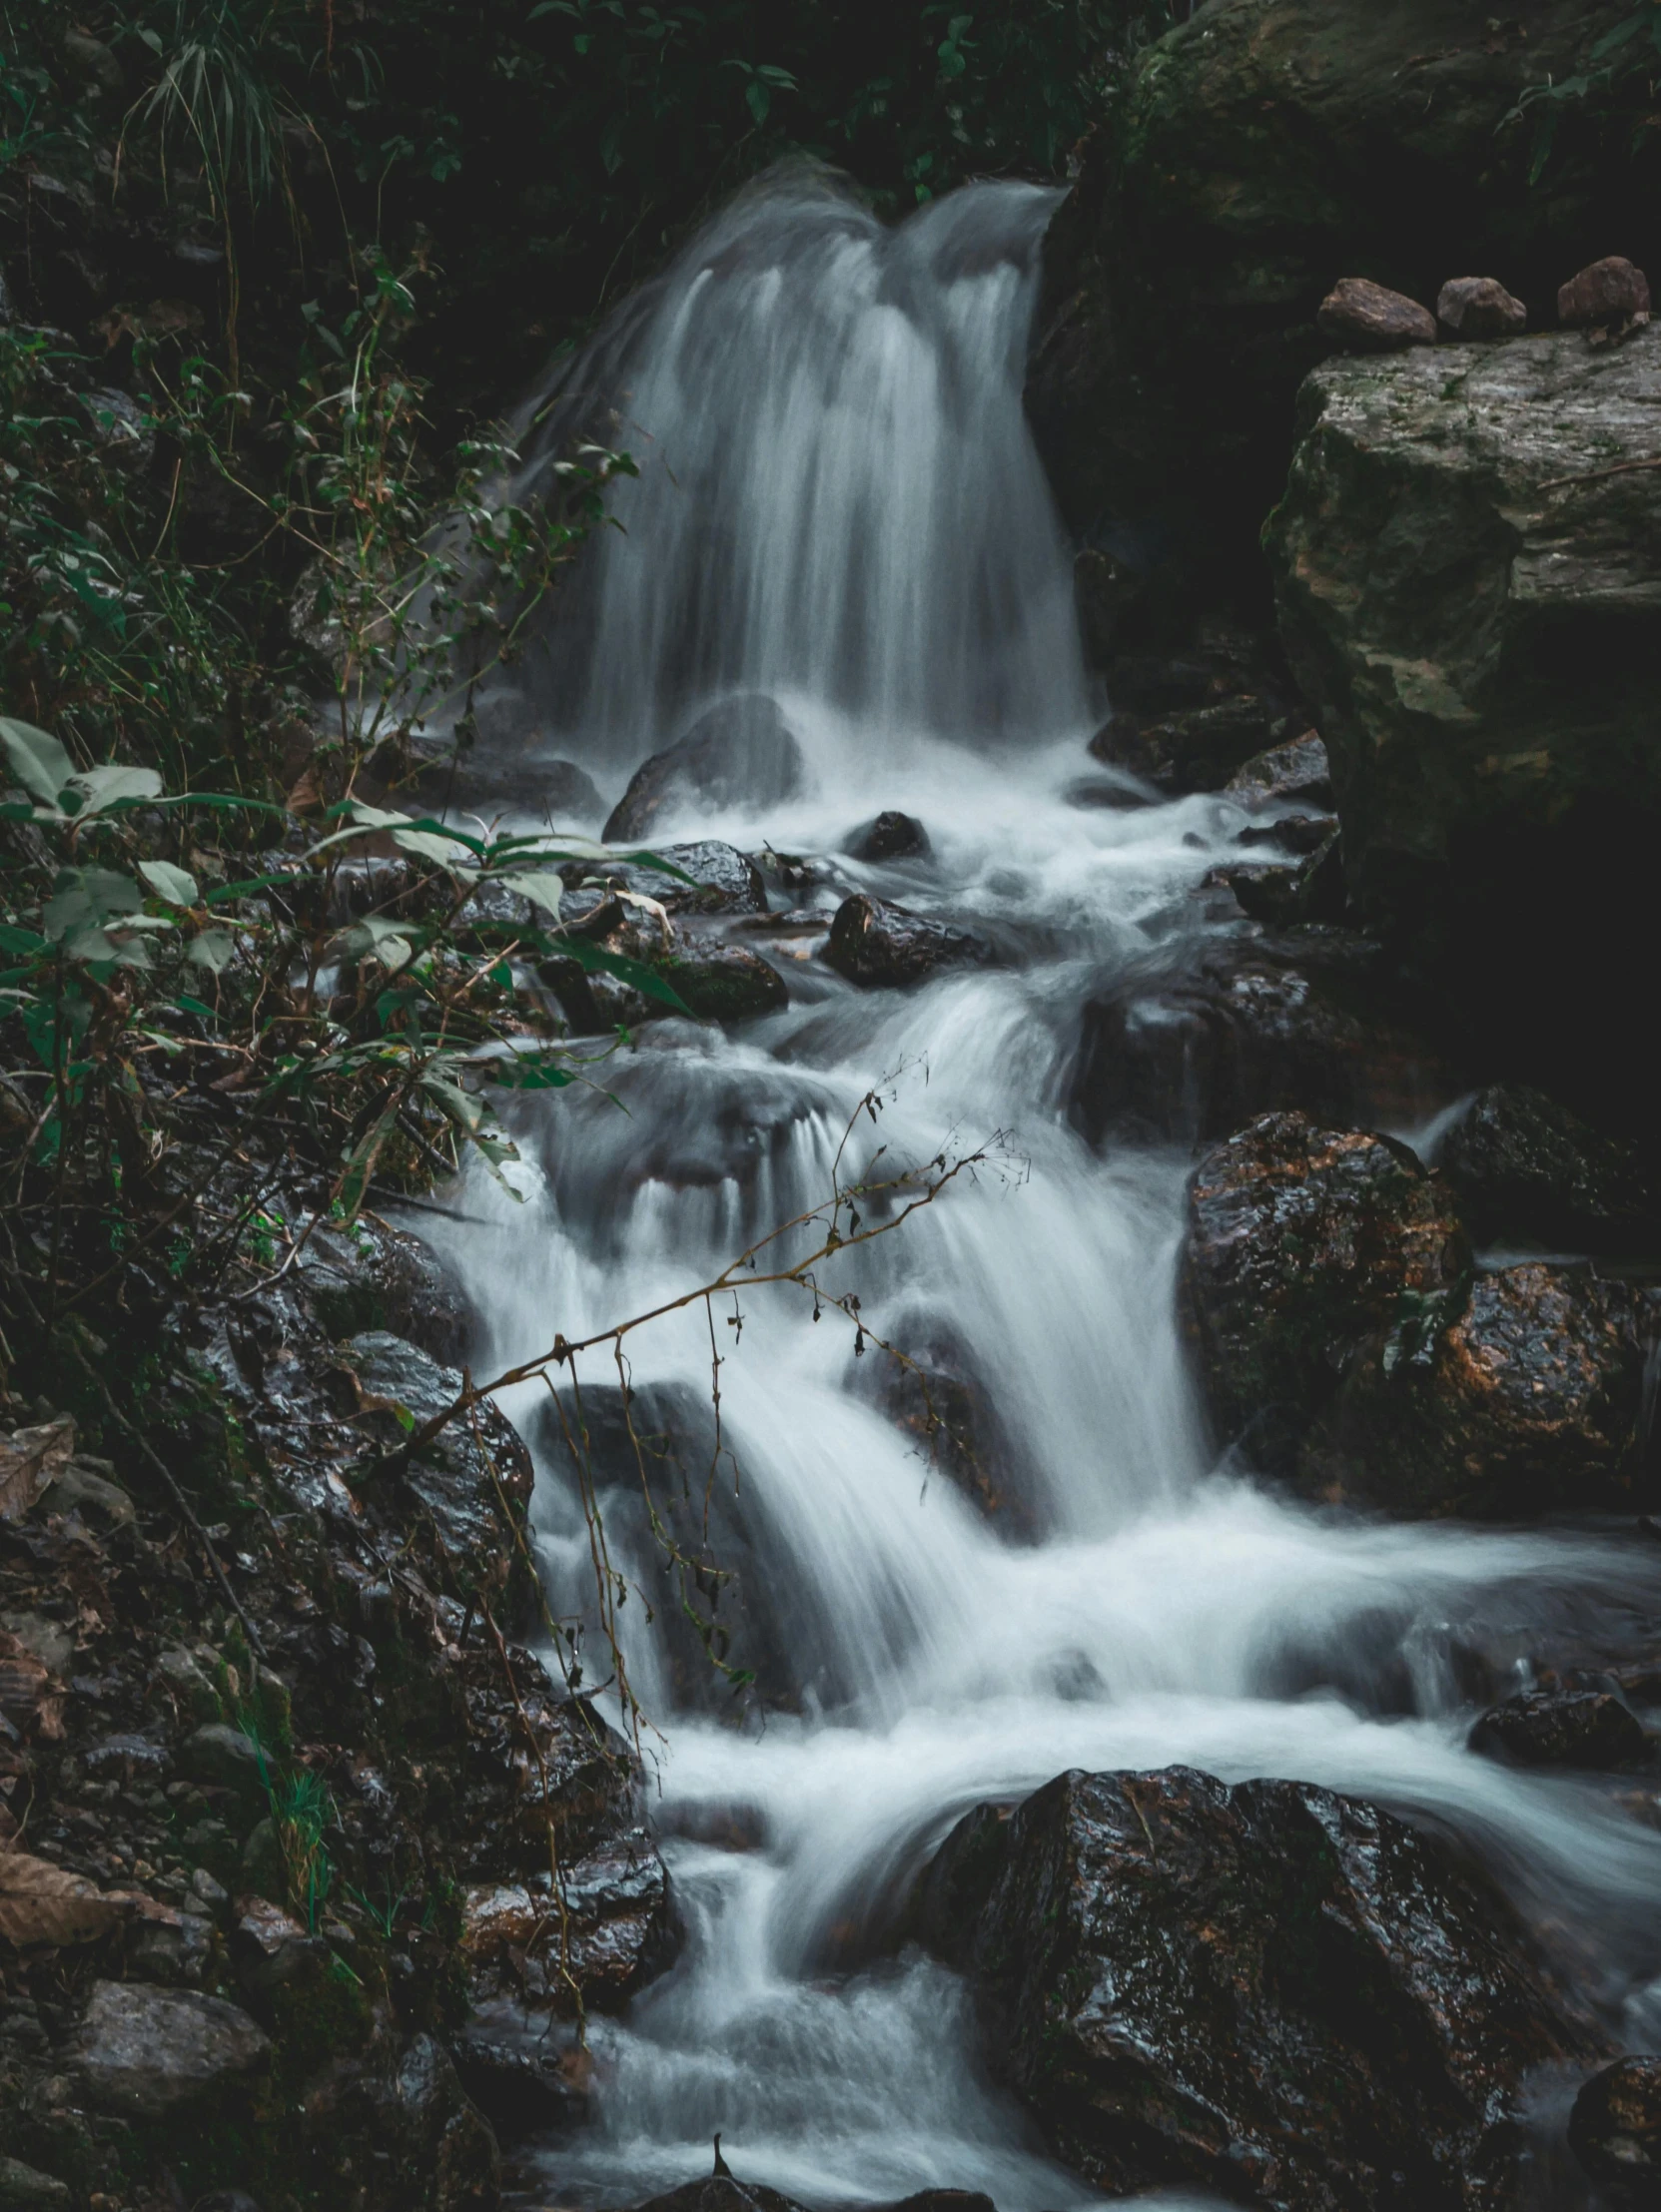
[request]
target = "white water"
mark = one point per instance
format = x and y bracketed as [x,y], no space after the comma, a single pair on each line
[847,438]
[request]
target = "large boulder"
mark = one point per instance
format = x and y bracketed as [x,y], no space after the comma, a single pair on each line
[1253,157]
[1527,1172]
[1190,1049]
[740,754]
[1304,1246]
[1342,1342]
[1273,1993]
[145,2053]
[1467,565]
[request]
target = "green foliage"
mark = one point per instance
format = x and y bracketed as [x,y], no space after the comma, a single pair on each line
[1624,67]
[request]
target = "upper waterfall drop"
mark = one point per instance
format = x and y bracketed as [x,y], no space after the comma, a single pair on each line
[839,496]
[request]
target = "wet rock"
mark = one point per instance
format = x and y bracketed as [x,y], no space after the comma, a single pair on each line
[1284,893]
[368,1275]
[711,878]
[1292,832]
[1524,1396]
[145,2053]
[723,983]
[25,2189]
[889,835]
[225,1759]
[1611,294]
[729,1605]
[1615,2131]
[740,753]
[943,1407]
[1303,1246]
[886,947]
[1372,318]
[1199,750]
[609,1930]
[456,1481]
[1271,1992]
[722,2193]
[1528,1172]
[1186,1054]
[449,2152]
[524,2070]
[1479,307]
[1458,563]
[1298,770]
[1588,1728]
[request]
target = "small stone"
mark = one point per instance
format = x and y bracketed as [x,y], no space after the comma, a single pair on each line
[1612,291]
[889,835]
[223,1757]
[1372,318]
[145,2052]
[1299,769]
[1479,307]
[1588,1728]
[1615,2131]
[24,2190]
[211,1893]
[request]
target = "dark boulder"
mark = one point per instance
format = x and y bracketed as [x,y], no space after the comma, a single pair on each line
[1588,1728]
[607,1929]
[1615,2132]
[1186,1054]
[710,879]
[740,753]
[723,983]
[889,835]
[1304,1246]
[1284,893]
[1373,319]
[1459,556]
[940,1401]
[1342,1343]
[1272,1992]
[1479,307]
[370,1275]
[1196,750]
[145,2053]
[525,2072]
[1298,770]
[884,947]
[1527,1170]
[722,2192]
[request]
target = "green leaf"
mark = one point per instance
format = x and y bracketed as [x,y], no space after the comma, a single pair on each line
[187,1004]
[531,1072]
[19,941]
[88,896]
[542,889]
[115,786]
[647,980]
[38,761]
[211,950]
[175,884]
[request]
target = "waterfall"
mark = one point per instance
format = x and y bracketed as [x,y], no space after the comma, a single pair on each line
[839,503]
[802,381]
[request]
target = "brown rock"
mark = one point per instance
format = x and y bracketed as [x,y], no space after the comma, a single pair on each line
[1612,291]
[1479,307]
[1615,2131]
[1372,318]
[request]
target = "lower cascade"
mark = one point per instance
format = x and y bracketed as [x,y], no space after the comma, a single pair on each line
[842,579]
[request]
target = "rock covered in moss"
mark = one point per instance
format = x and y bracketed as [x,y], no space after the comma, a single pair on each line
[1272,1993]
[1468,567]
[723,983]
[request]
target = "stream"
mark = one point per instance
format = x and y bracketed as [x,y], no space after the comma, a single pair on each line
[840,505]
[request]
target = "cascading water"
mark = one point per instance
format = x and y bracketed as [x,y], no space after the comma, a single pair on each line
[840,503]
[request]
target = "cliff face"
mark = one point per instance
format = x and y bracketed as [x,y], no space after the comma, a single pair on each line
[1259,151]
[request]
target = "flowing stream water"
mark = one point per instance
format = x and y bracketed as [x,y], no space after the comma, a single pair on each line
[840,505]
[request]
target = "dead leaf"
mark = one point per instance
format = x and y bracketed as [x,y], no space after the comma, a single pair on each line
[23,1680]
[29,1460]
[43,1903]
